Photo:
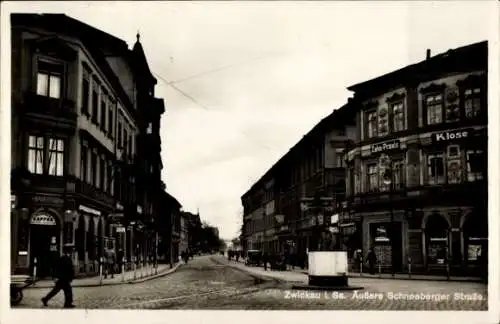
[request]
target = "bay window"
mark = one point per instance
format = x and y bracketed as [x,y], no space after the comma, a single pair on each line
[472,102]
[371,124]
[372,177]
[476,165]
[48,81]
[434,108]
[45,155]
[436,168]
[35,154]
[56,157]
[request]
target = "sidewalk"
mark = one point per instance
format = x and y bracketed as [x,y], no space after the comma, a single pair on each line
[399,276]
[141,275]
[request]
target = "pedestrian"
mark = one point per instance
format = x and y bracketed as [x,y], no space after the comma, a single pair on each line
[110,259]
[119,259]
[265,259]
[65,274]
[372,260]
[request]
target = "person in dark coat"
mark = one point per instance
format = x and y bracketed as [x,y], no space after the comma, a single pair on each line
[265,260]
[65,274]
[372,260]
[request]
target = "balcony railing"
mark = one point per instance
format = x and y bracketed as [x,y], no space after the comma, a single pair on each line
[58,108]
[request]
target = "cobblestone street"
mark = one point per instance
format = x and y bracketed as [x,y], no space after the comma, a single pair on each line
[205,284]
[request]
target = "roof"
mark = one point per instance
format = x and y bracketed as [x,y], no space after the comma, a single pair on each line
[334,120]
[141,62]
[465,58]
[169,199]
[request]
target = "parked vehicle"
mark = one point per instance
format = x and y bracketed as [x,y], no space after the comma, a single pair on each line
[17,284]
[278,262]
[254,257]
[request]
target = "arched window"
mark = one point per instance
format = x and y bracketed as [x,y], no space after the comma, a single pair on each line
[437,233]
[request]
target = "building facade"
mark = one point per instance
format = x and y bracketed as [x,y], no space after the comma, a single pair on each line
[274,219]
[75,124]
[417,175]
[184,233]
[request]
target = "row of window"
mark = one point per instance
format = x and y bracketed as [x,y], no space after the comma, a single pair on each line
[441,167]
[99,106]
[391,119]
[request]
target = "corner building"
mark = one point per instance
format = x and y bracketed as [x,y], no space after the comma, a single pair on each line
[429,120]
[75,124]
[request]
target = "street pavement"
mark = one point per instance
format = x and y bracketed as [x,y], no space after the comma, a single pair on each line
[212,282]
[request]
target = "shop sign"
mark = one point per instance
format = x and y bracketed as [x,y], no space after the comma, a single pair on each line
[89,210]
[451,135]
[47,200]
[120,229]
[381,235]
[386,146]
[334,219]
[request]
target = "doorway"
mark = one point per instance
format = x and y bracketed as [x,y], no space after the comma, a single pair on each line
[44,244]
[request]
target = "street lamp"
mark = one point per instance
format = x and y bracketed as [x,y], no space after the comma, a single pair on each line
[386,164]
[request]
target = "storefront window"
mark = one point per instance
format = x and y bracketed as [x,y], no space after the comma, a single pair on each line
[434,106]
[436,168]
[398,117]
[472,102]
[372,177]
[476,165]
[371,124]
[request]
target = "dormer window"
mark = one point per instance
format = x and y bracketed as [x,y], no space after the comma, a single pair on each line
[48,81]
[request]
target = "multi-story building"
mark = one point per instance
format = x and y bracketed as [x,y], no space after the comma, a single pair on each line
[417,176]
[273,219]
[169,228]
[193,228]
[184,233]
[75,122]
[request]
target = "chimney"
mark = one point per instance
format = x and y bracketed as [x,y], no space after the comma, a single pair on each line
[428,55]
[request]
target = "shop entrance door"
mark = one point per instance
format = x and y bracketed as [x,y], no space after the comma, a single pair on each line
[44,244]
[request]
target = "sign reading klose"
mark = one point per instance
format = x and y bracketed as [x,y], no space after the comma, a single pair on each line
[451,135]
[381,147]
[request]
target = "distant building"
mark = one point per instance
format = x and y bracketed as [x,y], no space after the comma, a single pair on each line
[273,219]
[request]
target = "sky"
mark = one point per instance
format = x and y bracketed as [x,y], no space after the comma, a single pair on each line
[244,81]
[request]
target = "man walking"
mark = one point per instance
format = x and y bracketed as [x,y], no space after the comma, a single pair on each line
[64,274]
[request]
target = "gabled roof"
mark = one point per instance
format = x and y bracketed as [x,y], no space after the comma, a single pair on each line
[462,59]
[336,119]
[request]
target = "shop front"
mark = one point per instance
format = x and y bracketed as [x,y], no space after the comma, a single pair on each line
[386,240]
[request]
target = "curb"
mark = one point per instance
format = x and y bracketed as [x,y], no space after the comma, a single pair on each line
[395,278]
[253,275]
[131,282]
